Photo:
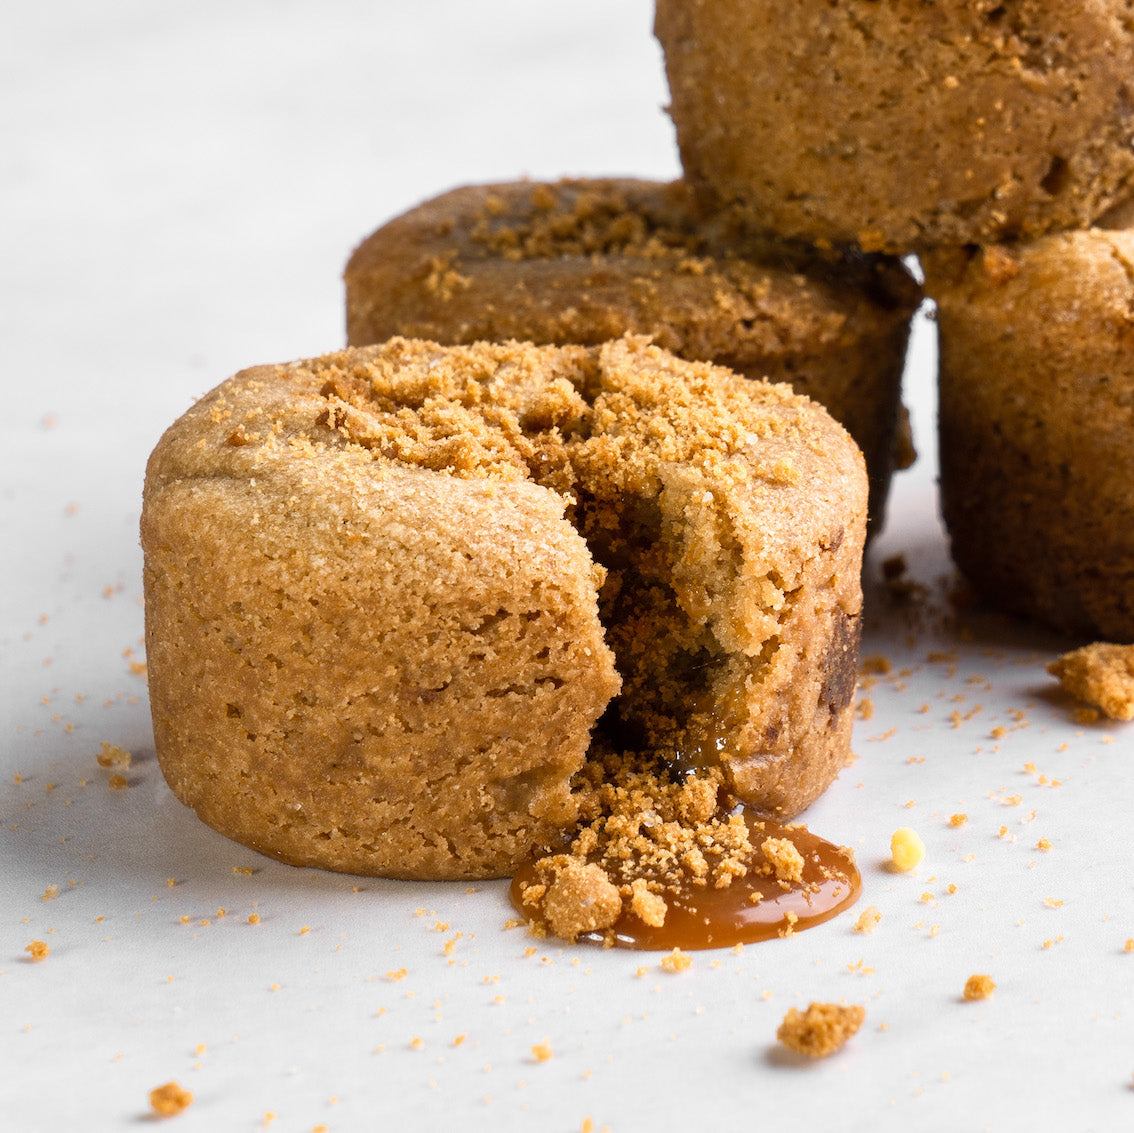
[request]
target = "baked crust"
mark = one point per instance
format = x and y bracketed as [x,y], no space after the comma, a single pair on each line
[588,260]
[1037,425]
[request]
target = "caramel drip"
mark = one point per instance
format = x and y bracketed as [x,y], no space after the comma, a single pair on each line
[752,908]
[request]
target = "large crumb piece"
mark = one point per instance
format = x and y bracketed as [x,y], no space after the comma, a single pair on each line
[37,950]
[978,987]
[820,1030]
[1101,674]
[580,899]
[169,1099]
[785,859]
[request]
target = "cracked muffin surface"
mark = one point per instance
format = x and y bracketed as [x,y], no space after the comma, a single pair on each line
[395,595]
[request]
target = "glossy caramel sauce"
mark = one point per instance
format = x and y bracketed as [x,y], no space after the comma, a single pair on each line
[752,908]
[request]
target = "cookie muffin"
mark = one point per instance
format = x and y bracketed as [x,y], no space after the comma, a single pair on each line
[584,261]
[906,125]
[389,592]
[1037,425]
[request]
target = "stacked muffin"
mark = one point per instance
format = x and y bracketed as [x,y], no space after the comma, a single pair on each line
[988,139]
[586,261]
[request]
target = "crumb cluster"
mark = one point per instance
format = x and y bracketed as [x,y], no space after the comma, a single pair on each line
[643,838]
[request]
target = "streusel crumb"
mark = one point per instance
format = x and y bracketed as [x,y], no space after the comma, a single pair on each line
[906,849]
[1101,675]
[170,1099]
[979,987]
[868,919]
[785,859]
[820,1030]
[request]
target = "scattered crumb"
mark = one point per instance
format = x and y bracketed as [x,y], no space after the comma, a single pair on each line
[118,782]
[112,755]
[1043,844]
[37,950]
[676,961]
[868,919]
[958,819]
[820,1030]
[542,1052]
[50,893]
[1101,675]
[979,987]
[906,849]
[169,1099]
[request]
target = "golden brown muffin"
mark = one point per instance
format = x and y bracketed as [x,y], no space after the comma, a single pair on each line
[1037,425]
[905,125]
[584,261]
[372,579]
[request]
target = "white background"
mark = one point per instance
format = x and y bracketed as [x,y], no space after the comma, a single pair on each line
[180,186]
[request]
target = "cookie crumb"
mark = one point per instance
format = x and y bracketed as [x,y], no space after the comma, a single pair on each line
[1101,675]
[170,1099]
[37,950]
[958,819]
[676,961]
[906,849]
[978,987]
[582,898]
[784,858]
[542,1052]
[868,919]
[820,1030]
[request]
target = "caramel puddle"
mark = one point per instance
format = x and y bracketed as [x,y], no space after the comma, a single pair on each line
[700,917]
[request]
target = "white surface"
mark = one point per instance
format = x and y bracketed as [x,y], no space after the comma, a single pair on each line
[180,187]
